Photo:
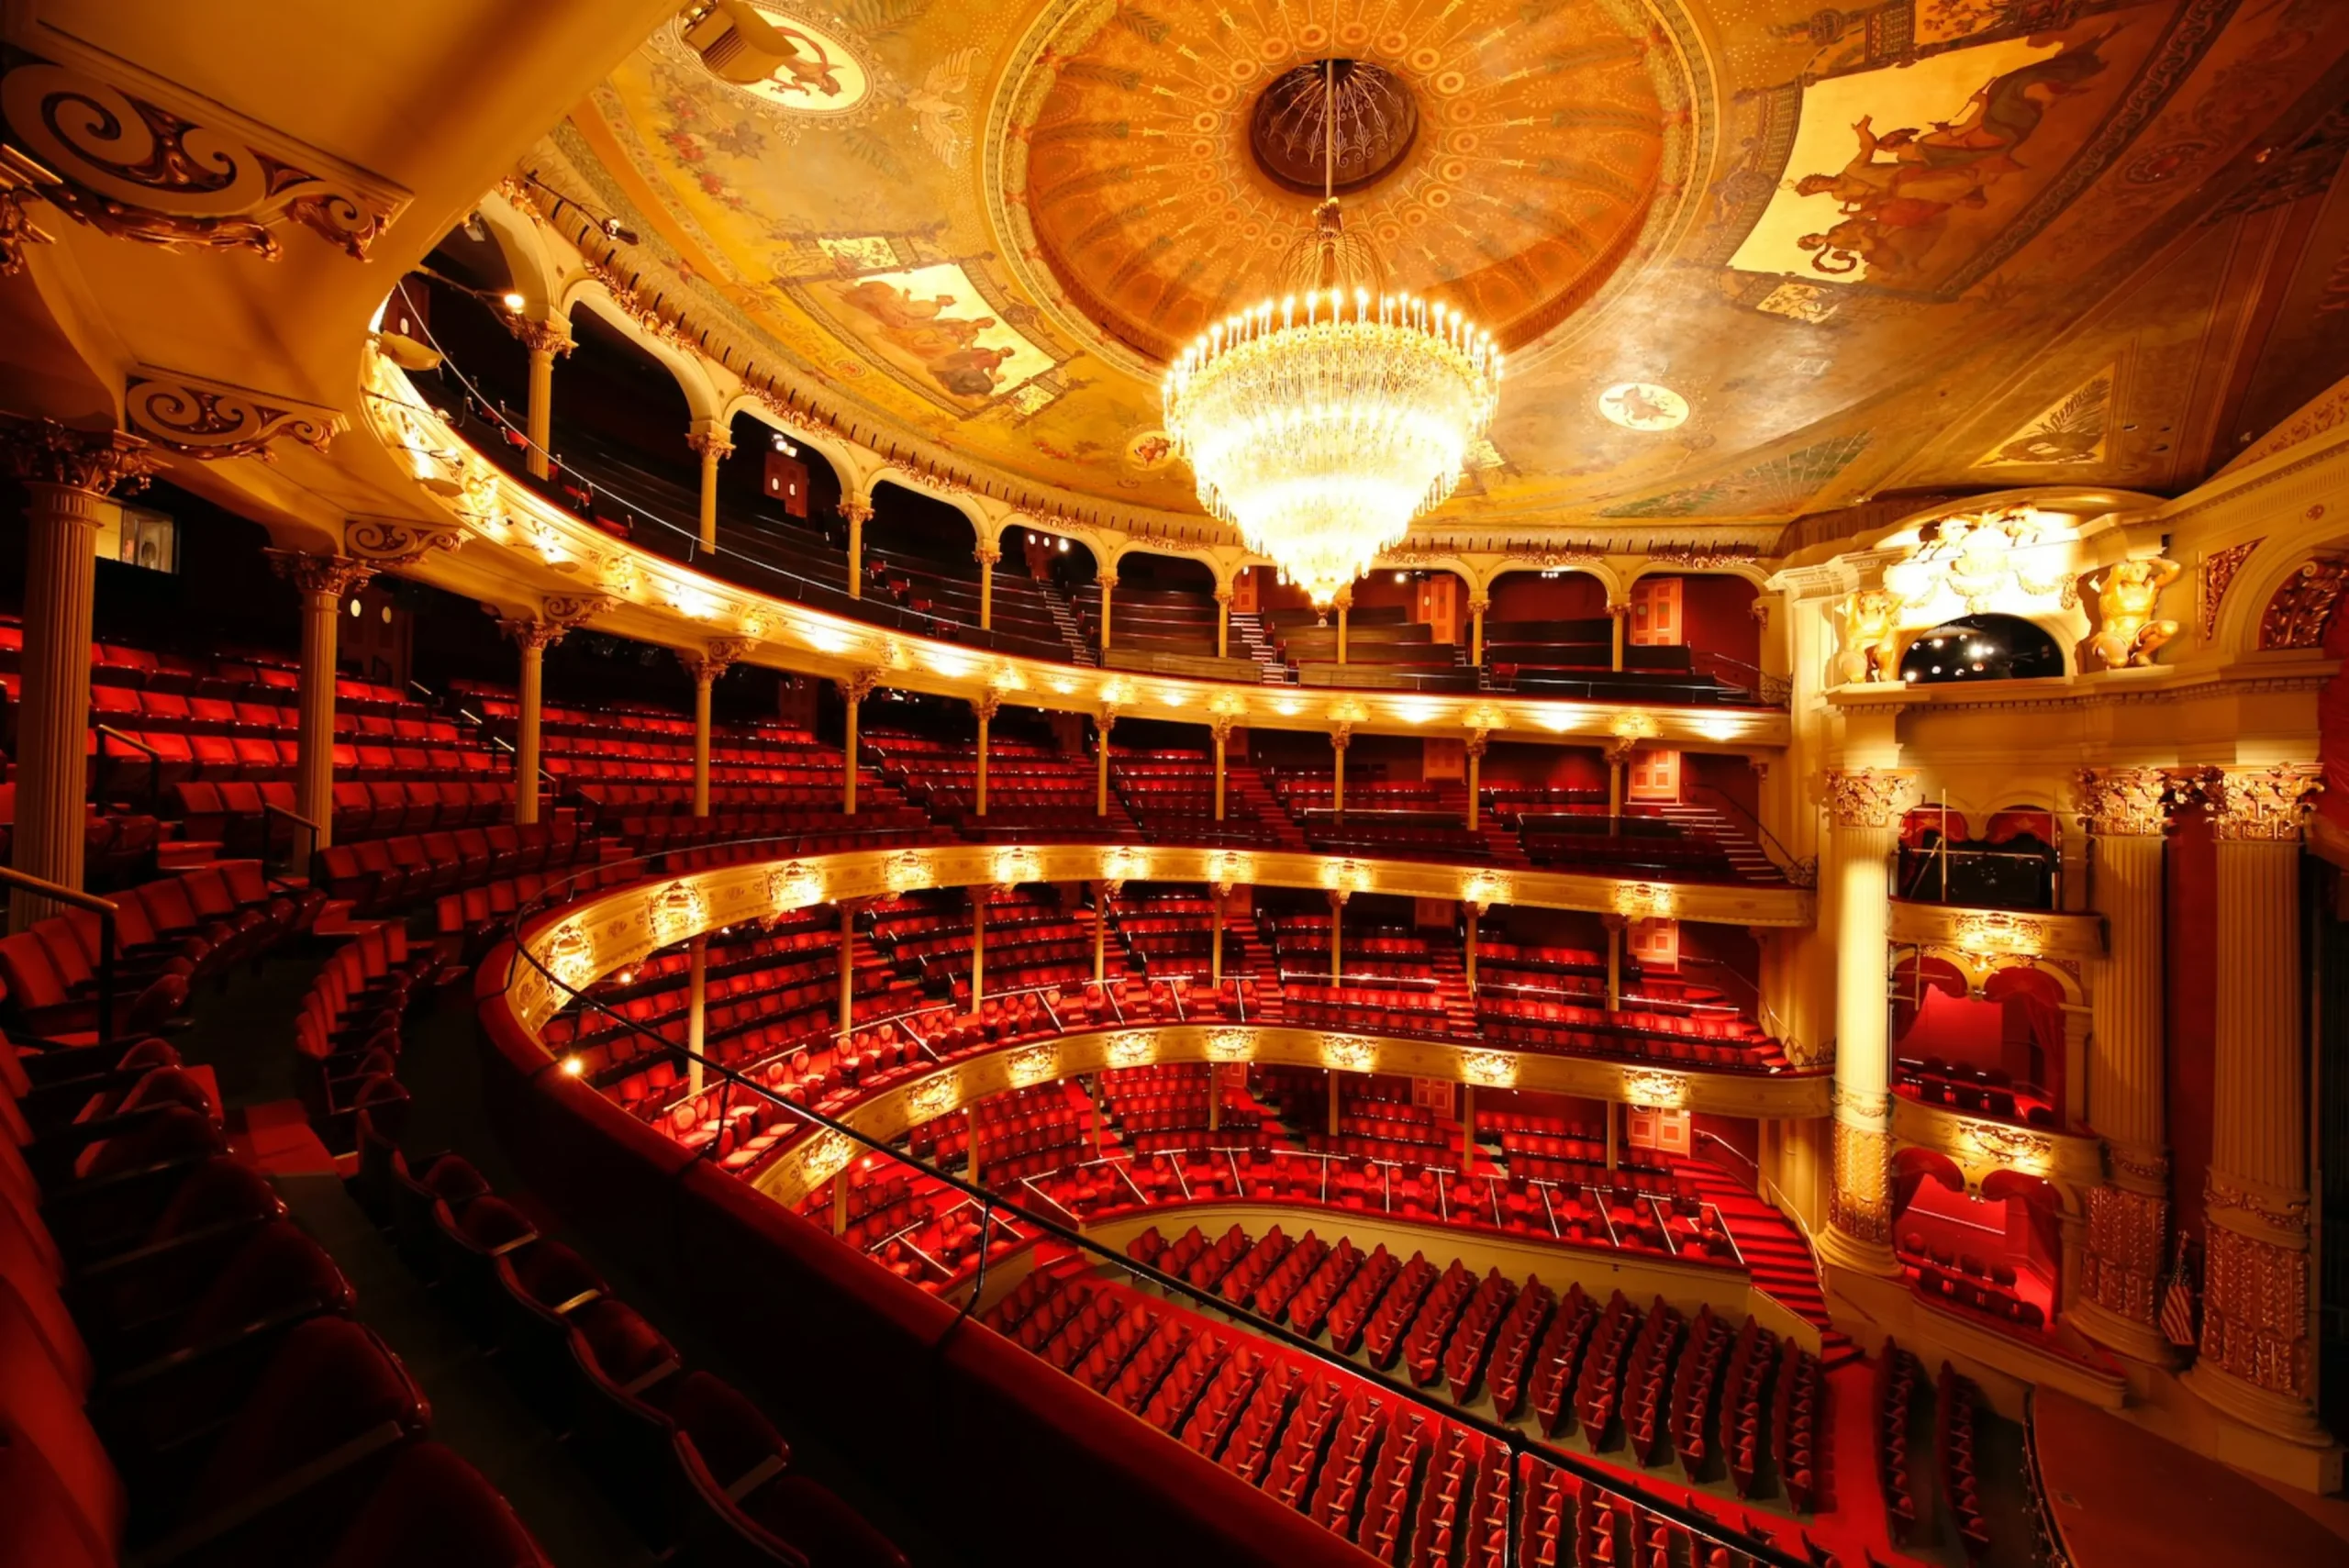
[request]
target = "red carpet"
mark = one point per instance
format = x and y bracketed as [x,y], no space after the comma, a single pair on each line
[1775,1253]
[276,1137]
[2122,1497]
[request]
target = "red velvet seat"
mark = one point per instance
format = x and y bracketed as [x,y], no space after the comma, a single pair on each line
[434,1510]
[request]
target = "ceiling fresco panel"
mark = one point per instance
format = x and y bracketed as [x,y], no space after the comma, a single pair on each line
[1754,258]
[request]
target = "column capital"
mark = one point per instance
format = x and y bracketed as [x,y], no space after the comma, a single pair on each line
[1343,599]
[1478,604]
[1337,897]
[1619,609]
[1619,751]
[983,708]
[1478,742]
[855,511]
[1340,735]
[987,554]
[1867,797]
[329,576]
[2129,803]
[1221,727]
[395,544]
[858,685]
[1108,717]
[1760,610]
[41,452]
[719,655]
[1474,907]
[552,337]
[2261,805]
[1223,593]
[557,615]
[710,439]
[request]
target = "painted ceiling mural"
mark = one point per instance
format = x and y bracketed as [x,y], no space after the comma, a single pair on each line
[1754,258]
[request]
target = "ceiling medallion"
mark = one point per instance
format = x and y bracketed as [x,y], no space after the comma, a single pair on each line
[1643,405]
[1362,115]
[1324,426]
[781,60]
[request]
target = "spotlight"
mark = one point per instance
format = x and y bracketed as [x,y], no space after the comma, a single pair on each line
[1402,576]
[572,1067]
[511,299]
[783,445]
[1064,546]
[615,230]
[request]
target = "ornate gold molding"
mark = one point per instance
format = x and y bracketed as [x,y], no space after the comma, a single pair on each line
[2116,803]
[17,228]
[392,544]
[2127,1241]
[1867,797]
[2261,805]
[1985,935]
[143,160]
[2255,1311]
[1860,1205]
[215,420]
[858,685]
[328,576]
[41,452]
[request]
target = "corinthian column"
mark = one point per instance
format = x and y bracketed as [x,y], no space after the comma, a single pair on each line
[853,691]
[322,581]
[544,339]
[984,710]
[858,514]
[710,440]
[1865,804]
[2257,1362]
[533,635]
[705,667]
[2127,811]
[68,476]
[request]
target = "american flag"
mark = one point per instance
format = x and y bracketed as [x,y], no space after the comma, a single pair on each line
[2177,1301]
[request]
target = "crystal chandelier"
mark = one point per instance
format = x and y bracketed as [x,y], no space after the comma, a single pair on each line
[1322,427]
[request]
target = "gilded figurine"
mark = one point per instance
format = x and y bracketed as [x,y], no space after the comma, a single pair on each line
[1871,638]
[2125,597]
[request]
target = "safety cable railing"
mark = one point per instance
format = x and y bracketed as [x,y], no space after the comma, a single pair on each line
[104,908]
[1522,1451]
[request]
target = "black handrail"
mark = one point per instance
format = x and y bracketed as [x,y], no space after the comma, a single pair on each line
[1511,1438]
[104,910]
[271,808]
[154,763]
[1784,858]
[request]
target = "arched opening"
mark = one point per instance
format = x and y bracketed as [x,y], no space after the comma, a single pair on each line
[1981,648]
[1999,1054]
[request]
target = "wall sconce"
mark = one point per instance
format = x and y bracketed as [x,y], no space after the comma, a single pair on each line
[793,886]
[677,913]
[1645,900]
[1231,1045]
[1034,1065]
[1657,1091]
[1488,1069]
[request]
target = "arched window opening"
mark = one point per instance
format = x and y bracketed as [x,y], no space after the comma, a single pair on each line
[1981,648]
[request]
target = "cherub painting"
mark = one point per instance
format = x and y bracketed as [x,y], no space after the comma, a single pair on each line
[1898,172]
[932,323]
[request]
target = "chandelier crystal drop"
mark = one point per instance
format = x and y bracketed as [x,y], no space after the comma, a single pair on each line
[1323,426]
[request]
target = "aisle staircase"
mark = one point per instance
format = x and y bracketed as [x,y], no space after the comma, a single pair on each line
[1245,787]
[1746,858]
[1248,641]
[1452,983]
[1064,619]
[1776,1252]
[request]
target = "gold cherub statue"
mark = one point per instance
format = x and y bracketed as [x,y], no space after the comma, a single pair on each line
[2125,597]
[1871,638]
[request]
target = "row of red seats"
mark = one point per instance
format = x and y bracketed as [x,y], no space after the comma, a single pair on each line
[1894,1394]
[206,1397]
[467,922]
[1954,1402]
[167,932]
[117,847]
[346,1034]
[379,876]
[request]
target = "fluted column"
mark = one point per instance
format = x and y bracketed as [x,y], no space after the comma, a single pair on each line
[1217,893]
[1223,623]
[2256,1360]
[1337,897]
[1108,593]
[705,667]
[853,691]
[1222,729]
[710,440]
[1477,608]
[322,581]
[1621,616]
[858,514]
[1103,892]
[984,709]
[1345,603]
[979,896]
[1614,925]
[533,635]
[68,476]
[989,554]
[1101,764]
[2127,813]
[1474,749]
[848,966]
[1866,805]
[1472,914]
[1339,738]
[1619,757]
[545,341]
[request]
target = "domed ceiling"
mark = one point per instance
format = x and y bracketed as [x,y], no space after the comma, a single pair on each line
[1753,257]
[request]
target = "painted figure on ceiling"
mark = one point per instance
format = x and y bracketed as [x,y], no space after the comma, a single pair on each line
[1898,191]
